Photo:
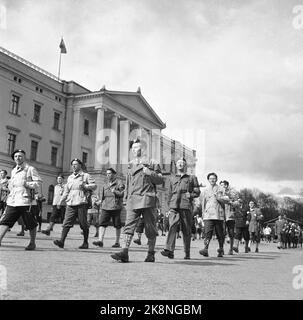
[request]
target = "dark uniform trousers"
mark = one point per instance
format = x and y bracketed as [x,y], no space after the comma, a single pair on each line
[140,226]
[184,216]
[242,232]
[230,227]
[72,212]
[12,214]
[210,226]
[57,213]
[149,218]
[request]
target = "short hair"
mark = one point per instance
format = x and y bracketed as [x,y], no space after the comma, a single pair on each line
[225,182]
[60,176]
[3,171]
[212,174]
[183,159]
[112,170]
[137,140]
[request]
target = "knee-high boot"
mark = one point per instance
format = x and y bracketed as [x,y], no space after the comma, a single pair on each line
[85,239]
[204,251]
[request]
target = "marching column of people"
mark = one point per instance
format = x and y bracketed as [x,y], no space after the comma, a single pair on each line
[219,209]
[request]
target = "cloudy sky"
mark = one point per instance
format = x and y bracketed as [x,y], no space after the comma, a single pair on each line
[228,72]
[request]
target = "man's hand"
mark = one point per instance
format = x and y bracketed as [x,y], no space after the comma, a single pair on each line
[83,186]
[187,195]
[146,171]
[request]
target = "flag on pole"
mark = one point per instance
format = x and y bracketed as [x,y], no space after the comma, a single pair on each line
[62,46]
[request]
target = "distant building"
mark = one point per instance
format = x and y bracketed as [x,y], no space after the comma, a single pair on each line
[55,120]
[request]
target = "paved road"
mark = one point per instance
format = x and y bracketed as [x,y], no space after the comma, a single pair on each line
[53,273]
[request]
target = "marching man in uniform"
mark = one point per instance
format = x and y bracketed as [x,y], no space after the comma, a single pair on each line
[4,191]
[111,204]
[183,188]
[78,184]
[22,185]
[140,196]
[58,210]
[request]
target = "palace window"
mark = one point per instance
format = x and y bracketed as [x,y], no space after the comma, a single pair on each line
[11,143]
[37,112]
[34,150]
[84,157]
[14,108]
[56,120]
[54,153]
[86,127]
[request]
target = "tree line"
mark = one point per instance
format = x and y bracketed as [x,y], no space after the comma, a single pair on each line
[271,206]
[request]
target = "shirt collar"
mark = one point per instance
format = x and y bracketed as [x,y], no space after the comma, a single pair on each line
[21,166]
[79,173]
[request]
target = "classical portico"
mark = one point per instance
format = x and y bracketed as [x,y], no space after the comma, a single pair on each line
[112,120]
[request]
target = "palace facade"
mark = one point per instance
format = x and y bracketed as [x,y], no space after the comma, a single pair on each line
[55,120]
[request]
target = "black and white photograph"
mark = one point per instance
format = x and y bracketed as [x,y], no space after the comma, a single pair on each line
[151,150]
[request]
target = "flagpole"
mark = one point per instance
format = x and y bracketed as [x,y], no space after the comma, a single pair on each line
[59,65]
[62,50]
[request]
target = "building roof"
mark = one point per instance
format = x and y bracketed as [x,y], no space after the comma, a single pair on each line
[135,100]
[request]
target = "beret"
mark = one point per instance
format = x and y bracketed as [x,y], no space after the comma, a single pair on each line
[76,159]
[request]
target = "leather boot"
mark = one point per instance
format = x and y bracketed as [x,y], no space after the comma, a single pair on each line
[121,256]
[85,240]
[150,256]
[204,252]
[60,243]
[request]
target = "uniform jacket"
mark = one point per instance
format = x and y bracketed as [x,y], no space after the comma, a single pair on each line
[58,192]
[212,200]
[177,188]
[24,181]
[255,219]
[229,207]
[95,204]
[241,217]
[4,191]
[112,194]
[140,189]
[279,226]
[74,194]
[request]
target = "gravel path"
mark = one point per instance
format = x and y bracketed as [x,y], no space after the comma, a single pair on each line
[53,273]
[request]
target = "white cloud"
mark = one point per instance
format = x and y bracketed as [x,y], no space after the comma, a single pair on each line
[233,69]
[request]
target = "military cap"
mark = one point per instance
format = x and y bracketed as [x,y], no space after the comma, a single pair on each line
[19,150]
[78,160]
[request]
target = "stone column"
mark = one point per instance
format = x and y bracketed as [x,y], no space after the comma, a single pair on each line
[99,155]
[124,144]
[113,142]
[156,145]
[76,141]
